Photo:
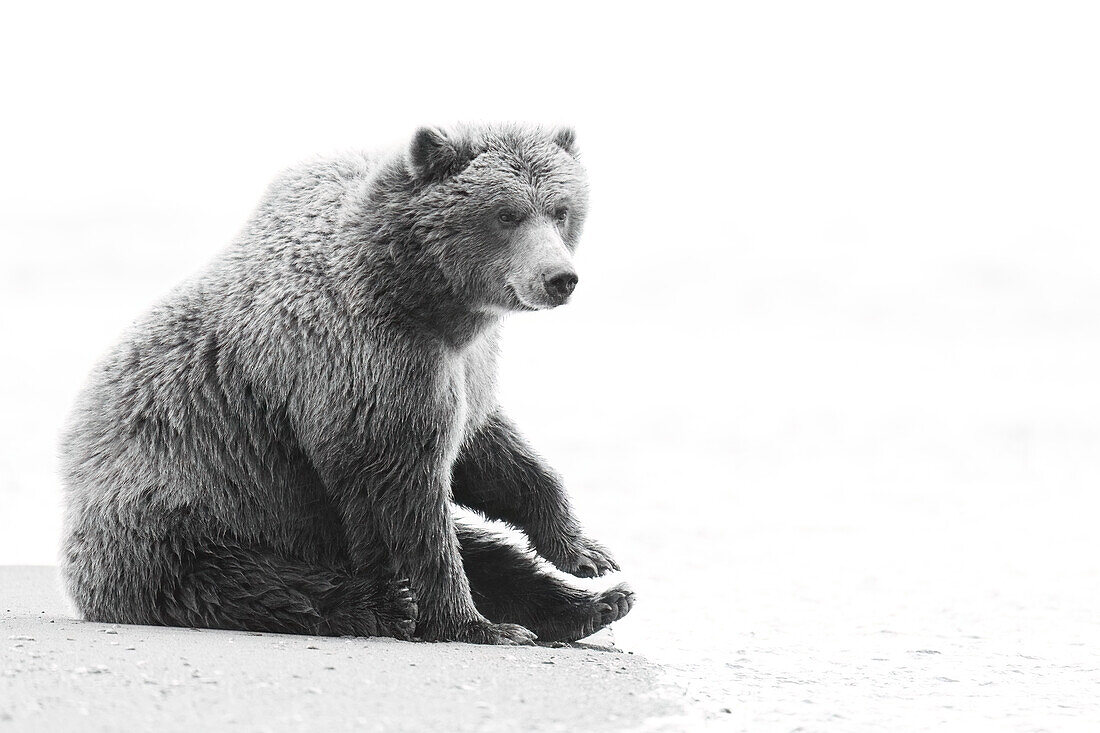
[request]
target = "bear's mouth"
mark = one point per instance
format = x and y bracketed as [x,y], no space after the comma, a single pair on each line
[518,303]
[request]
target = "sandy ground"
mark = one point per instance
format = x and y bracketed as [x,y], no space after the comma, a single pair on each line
[63,674]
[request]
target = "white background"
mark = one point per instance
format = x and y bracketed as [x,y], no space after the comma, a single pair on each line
[829,384]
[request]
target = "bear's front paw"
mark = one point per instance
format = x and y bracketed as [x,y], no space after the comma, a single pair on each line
[489,633]
[584,558]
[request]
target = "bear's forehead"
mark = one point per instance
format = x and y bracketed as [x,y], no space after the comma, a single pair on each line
[543,170]
[524,158]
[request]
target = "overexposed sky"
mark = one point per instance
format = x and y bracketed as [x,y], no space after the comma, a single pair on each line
[946,124]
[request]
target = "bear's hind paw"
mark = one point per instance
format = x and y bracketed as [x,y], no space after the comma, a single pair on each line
[618,600]
[597,613]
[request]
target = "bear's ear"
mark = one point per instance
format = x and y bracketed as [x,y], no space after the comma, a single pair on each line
[566,139]
[434,155]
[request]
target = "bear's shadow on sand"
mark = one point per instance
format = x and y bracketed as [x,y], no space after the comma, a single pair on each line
[579,645]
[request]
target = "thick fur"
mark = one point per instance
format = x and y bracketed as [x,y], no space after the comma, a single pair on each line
[272,447]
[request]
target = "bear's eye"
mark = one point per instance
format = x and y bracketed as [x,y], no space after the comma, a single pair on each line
[560,215]
[509,217]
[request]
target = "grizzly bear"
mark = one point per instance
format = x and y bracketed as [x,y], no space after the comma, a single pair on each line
[276,446]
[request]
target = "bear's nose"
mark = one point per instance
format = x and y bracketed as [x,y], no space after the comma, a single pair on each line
[559,285]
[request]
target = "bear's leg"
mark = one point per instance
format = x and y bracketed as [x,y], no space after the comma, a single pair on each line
[227,585]
[249,588]
[499,475]
[509,586]
[388,473]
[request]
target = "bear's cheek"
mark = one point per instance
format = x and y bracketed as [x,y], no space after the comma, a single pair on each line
[479,265]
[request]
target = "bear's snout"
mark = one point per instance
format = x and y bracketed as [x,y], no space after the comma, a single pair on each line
[559,285]
[543,266]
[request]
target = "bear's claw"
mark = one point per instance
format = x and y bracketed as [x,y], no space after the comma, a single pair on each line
[586,559]
[397,617]
[612,605]
[592,614]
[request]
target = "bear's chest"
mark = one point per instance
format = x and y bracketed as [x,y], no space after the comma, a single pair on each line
[469,376]
[458,405]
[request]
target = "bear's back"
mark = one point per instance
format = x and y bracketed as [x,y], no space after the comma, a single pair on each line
[174,391]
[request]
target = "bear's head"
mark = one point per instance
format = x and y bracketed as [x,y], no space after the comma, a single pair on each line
[500,210]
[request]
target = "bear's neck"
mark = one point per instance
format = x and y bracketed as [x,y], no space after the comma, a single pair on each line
[458,327]
[419,296]
[403,278]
